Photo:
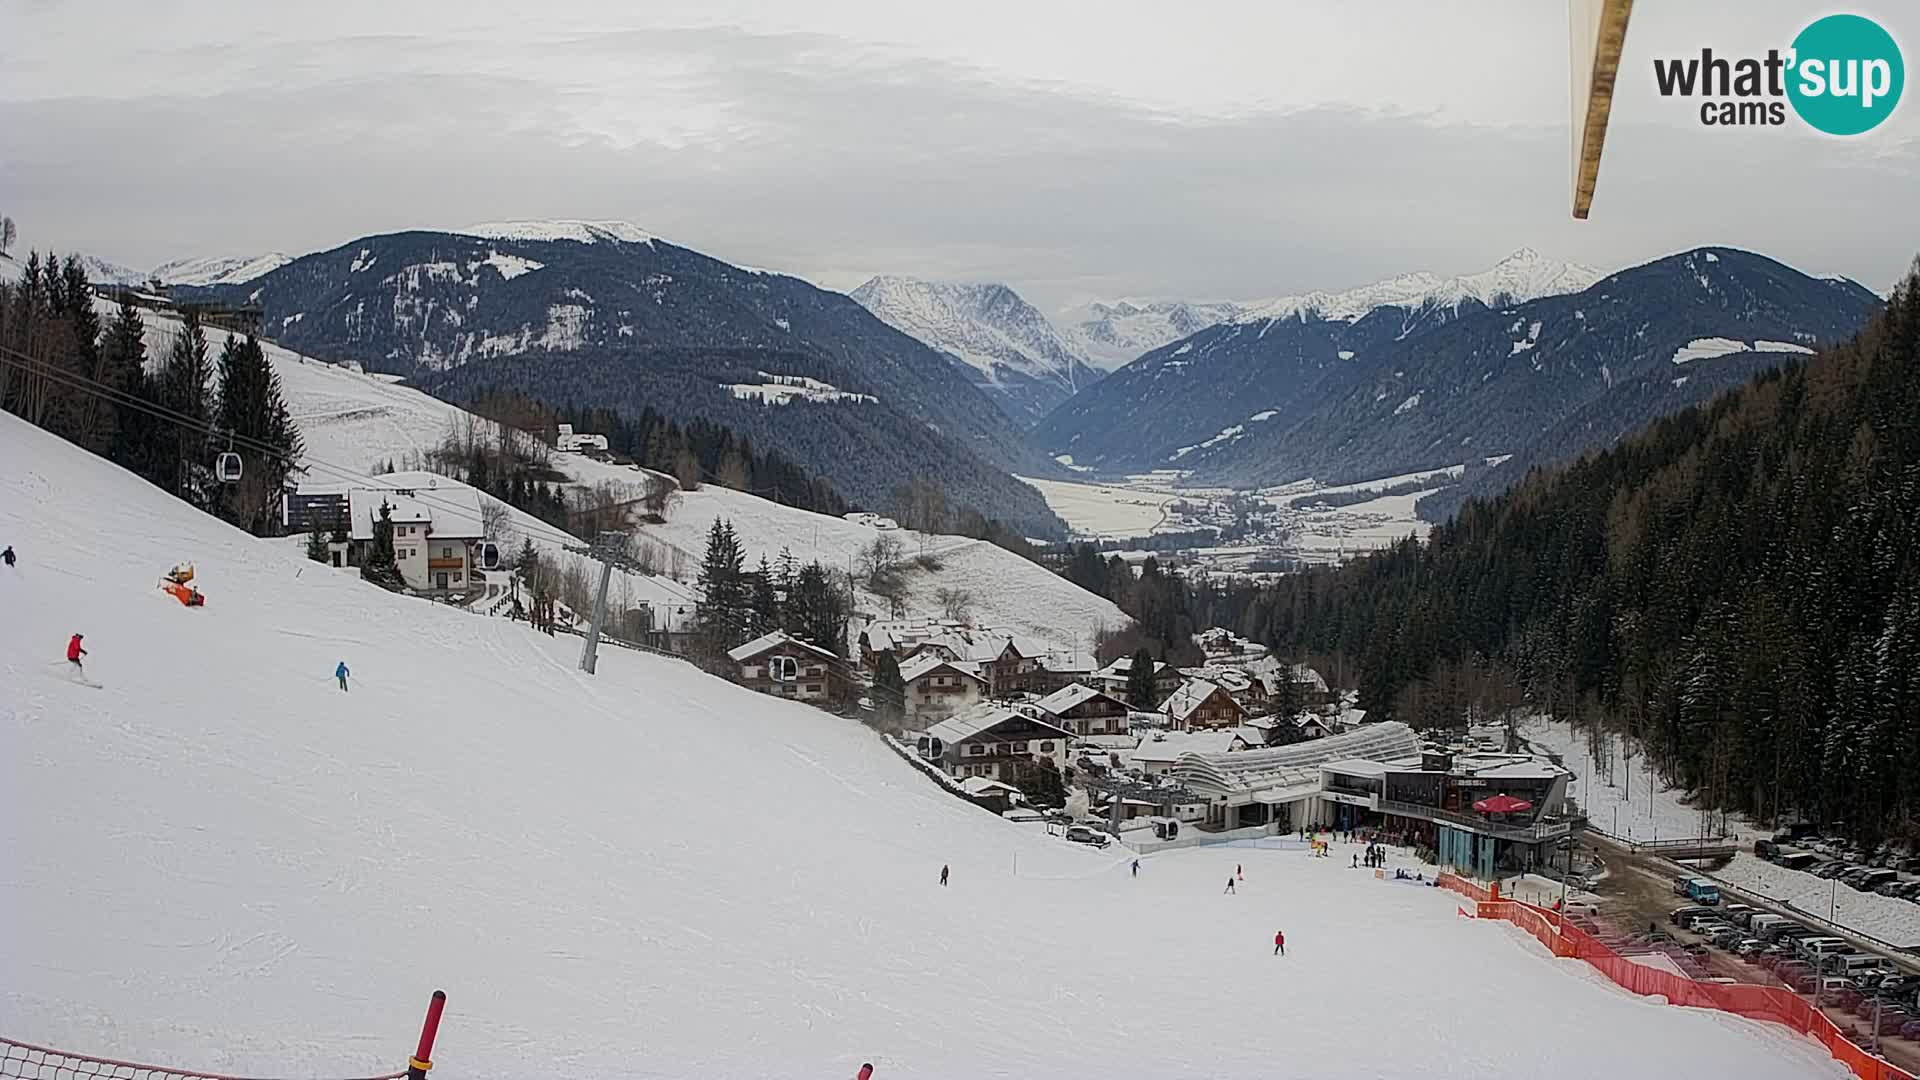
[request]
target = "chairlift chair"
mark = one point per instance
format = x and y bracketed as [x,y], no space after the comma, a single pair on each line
[226,467]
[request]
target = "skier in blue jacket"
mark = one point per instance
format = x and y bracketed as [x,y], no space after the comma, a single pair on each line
[341,673]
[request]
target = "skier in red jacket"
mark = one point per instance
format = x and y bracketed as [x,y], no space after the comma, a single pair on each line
[75,652]
[1279,943]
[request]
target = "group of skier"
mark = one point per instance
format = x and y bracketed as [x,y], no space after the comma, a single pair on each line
[1375,857]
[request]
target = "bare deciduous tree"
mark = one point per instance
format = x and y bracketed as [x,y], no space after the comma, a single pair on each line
[955,604]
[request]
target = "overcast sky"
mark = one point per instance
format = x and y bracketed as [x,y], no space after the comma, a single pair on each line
[1204,150]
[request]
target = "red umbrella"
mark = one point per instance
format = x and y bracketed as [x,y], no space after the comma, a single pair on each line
[1502,804]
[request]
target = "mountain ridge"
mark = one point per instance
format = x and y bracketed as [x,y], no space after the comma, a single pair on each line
[1009,349]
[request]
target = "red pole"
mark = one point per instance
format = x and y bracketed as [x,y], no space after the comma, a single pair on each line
[422,1058]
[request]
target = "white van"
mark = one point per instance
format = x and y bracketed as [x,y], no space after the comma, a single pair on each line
[1850,963]
[1812,948]
[1760,923]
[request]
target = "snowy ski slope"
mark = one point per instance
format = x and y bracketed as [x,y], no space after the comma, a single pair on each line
[216,859]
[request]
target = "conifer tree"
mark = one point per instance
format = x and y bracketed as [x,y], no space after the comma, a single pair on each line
[889,690]
[722,613]
[380,566]
[1140,693]
[317,545]
[180,453]
[253,410]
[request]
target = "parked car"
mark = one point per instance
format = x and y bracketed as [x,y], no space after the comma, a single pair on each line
[1766,849]
[1797,860]
[1739,914]
[1727,938]
[1829,869]
[1910,1030]
[1678,916]
[1748,948]
[1892,1021]
[1081,834]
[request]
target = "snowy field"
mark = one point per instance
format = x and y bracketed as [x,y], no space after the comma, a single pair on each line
[1896,922]
[218,860]
[1104,510]
[1008,592]
[1655,810]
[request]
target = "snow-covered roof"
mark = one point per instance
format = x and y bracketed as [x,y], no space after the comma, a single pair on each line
[1192,694]
[981,718]
[742,653]
[1107,742]
[1521,770]
[1174,745]
[1288,766]
[1071,695]
[449,507]
[928,663]
[1123,665]
[980,785]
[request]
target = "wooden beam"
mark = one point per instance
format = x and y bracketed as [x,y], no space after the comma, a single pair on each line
[1592,114]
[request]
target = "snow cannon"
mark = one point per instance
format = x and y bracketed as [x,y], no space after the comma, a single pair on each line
[180,574]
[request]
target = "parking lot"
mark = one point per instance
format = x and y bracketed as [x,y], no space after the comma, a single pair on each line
[1644,916]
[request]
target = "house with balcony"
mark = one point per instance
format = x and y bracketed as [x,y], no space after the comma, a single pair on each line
[991,741]
[1113,679]
[1199,704]
[937,688]
[784,666]
[437,529]
[1085,711]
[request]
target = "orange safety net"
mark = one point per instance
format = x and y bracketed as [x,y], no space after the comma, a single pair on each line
[1776,1004]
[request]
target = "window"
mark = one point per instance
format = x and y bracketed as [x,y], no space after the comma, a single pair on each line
[446,552]
[976,749]
[1019,748]
[1046,748]
[813,688]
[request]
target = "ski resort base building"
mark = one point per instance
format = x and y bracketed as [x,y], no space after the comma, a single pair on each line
[1380,778]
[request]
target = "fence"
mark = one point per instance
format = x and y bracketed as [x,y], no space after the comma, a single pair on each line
[1775,1004]
[25,1061]
[1195,838]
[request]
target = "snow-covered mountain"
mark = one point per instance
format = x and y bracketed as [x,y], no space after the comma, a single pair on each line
[219,269]
[1009,349]
[607,312]
[1113,334]
[103,272]
[1522,276]
[1445,369]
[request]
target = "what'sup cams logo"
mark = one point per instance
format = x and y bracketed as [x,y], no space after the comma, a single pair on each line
[1842,76]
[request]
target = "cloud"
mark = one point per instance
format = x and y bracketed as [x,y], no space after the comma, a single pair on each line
[835,160]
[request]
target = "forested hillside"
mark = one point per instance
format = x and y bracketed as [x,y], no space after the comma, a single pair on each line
[1738,586]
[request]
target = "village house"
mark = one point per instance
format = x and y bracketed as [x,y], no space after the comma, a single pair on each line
[439,539]
[1202,704]
[937,688]
[785,666]
[1085,711]
[570,442]
[991,741]
[1113,679]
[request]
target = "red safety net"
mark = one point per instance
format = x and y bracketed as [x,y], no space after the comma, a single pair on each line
[29,1062]
[1776,1004]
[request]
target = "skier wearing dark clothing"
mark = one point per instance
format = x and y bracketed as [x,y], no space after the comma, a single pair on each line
[1136,868]
[75,652]
[1279,943]
[943,875]
[1229,887]
[7,555]
[1356,862]
[341,674]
